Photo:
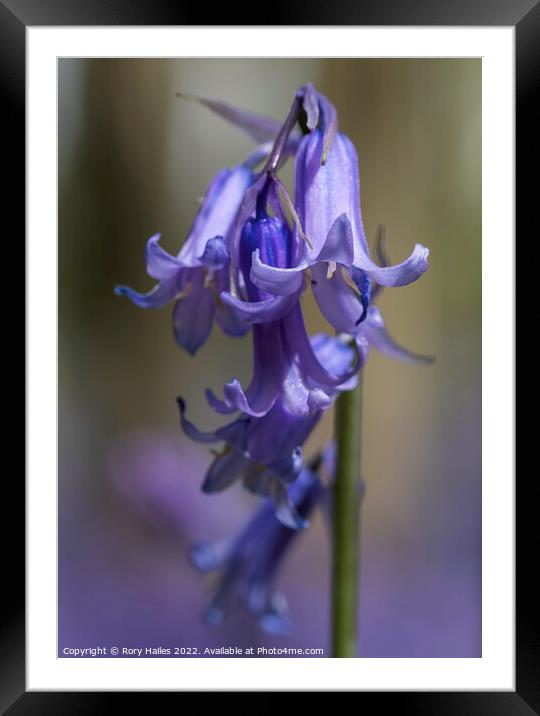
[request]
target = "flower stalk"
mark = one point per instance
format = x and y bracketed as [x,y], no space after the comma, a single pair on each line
[348,492]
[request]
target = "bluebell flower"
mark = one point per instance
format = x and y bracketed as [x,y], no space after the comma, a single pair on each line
[279,335]
[249,562]
[195,277]
[327,202]
[265,452]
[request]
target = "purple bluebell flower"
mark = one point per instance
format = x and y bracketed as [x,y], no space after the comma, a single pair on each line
[250,561]
[195,277]
[265,452]
[279,336]
[327,201]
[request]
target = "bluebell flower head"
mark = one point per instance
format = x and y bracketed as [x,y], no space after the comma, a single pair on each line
[280,341]
[246,265]
[194,279]
[249,563]
[327,202]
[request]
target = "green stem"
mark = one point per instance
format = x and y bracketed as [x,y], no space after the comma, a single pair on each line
[346,517]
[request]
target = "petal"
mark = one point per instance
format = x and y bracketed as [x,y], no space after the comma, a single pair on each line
[227,318]
[232,434]
[224,471]
[266,311]
[288,468]
[192,316]
[299,349]
[215,253]
[286,511]
[400,274]
[247,207]
[269,369]
[338,245]
[325,193]
[159,264]
[278,281]
[310,102]
[377,336]
[335,353]
[339,303]
[229,322]
[274,439]
[320,112]
[217,213]
[236,399]
[162,294]
[190,430]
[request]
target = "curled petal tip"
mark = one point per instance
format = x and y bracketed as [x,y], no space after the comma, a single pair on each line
[277,281]
[401,274]
[220,406]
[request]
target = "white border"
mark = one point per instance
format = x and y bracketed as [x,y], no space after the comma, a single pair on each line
[495,670]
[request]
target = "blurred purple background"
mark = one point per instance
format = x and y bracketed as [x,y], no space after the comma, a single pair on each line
[132,161]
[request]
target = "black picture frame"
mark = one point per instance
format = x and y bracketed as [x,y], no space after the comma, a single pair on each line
[15,16]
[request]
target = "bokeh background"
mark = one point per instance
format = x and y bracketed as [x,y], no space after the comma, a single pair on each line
[133,160]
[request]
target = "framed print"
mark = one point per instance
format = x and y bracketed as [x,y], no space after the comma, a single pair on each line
[270,354]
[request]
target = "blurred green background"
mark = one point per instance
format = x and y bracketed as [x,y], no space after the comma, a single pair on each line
[133,160]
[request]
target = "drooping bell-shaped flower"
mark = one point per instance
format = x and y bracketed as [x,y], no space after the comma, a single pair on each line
[327,201]
[265,452]
[195,277]
[279,336]
[249,562]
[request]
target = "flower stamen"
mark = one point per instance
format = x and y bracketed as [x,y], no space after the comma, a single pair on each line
[331,270]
